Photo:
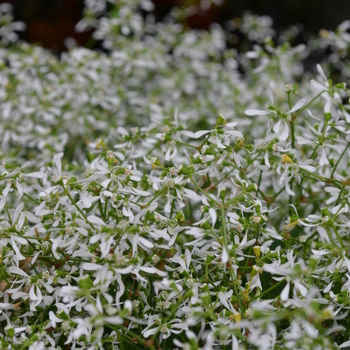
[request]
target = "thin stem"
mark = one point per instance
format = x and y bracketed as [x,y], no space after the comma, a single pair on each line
[341,156]
[31,198]
[252,160]
[323,178]
[331,237]
[339,196]
[76,205]
[291,122]
[278,193]
[185,144]
[231,271]
[338,236]
[6,209]
[269,289]
[293,132]
[203,143]
[8,214]
[101,209]
[289,101]
[308,104]
[201,190]
[154,198]
[153,148]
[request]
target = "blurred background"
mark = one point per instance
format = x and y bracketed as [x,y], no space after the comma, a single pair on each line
[49,22]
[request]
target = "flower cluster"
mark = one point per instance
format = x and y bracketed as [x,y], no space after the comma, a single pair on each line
[153,196]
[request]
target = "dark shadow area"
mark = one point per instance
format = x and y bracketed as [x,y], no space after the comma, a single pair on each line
[49,22]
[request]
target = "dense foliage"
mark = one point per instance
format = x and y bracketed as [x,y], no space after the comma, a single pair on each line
[171,193]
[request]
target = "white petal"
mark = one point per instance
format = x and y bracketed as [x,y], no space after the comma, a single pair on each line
[167,154]
[85,200]
[201,133]
[269,92]
[297,106]
[32,293]
[122,131]
[252,112]
[308,168]
[96,220]
[19,189]
[17,251]
[223,300]
[114,320]
[317,85]
[145,242]
[91,267]
[57,161]
[37,175]
[124,271]
[191,194]
[328,288]
[327,106]
[213,216]
[224,256]
[17,271]
[277,126]
[54,318]
[174,153]
[323,233]
[285,132]
[150,332]
[321,72]
[302,289]
[289,190]
[323,159]
[311,115]
[345,345]
[285,292]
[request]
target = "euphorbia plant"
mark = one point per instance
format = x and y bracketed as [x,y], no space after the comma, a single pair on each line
[173,205]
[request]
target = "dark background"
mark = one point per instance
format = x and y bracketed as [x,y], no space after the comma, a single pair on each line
[49,22]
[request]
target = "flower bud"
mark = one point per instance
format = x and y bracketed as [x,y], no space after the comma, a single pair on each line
[289,88]
[237,317]
[221,120]
[252,188]
[286,159]
[327,117]
[222,194]
[10,330]
[341,86]
[257,250]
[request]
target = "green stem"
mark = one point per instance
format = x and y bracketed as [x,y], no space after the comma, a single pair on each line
[6,209]
[8,214]
[101,210]
[154,198]
[338,236]
[308,104]
[291,122]
[31,198]
[269,289]
[231,271]
[278,193]
[201,190]
[293,132]
[341,156]
[252,160]
[203,143]
[322,178]
[185,144]
[331,237]
[339,196]
[76,205]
